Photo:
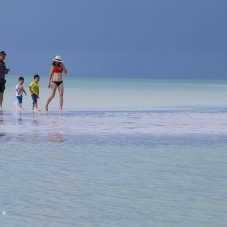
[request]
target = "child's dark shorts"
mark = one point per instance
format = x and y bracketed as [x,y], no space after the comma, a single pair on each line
[19,99]
[34,98]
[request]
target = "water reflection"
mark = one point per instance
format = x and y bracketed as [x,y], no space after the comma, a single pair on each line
[1,123]
[54,127]
[35,121]
[19,118]
[1,117]
[56,137]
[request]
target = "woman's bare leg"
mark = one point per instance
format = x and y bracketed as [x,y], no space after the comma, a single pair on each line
[53,90]
[61,92]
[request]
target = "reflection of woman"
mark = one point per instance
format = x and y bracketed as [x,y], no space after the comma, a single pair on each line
[55,80]
[56,137]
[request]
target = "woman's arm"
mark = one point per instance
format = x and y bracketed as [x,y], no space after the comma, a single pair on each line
[50,76]
[65,70]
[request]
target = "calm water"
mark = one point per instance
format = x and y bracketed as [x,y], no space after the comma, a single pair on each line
[124,153]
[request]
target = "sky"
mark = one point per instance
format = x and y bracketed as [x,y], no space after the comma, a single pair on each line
[119,38]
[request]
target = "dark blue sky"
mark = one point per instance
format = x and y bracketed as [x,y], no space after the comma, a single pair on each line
[133,38]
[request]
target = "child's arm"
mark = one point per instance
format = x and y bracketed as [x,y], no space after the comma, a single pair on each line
[30,90]
[17,89]
[50,76]
[24,91]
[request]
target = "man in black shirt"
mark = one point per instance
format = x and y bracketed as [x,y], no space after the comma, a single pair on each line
[3,71]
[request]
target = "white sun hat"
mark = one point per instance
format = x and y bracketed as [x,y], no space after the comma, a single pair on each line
[57,58]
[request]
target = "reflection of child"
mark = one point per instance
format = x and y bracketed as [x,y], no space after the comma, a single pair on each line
[34,89]
[20,91]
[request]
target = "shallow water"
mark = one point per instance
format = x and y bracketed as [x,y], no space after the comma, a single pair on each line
[153,166]
[124,94]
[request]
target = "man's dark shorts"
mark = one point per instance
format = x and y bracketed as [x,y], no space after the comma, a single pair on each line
[2,85]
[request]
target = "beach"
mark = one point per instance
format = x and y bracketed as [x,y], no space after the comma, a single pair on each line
[124,152]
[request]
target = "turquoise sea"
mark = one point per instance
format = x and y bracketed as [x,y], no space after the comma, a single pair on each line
[125,152]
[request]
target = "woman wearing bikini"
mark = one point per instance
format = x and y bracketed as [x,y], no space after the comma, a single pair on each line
[55,80]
